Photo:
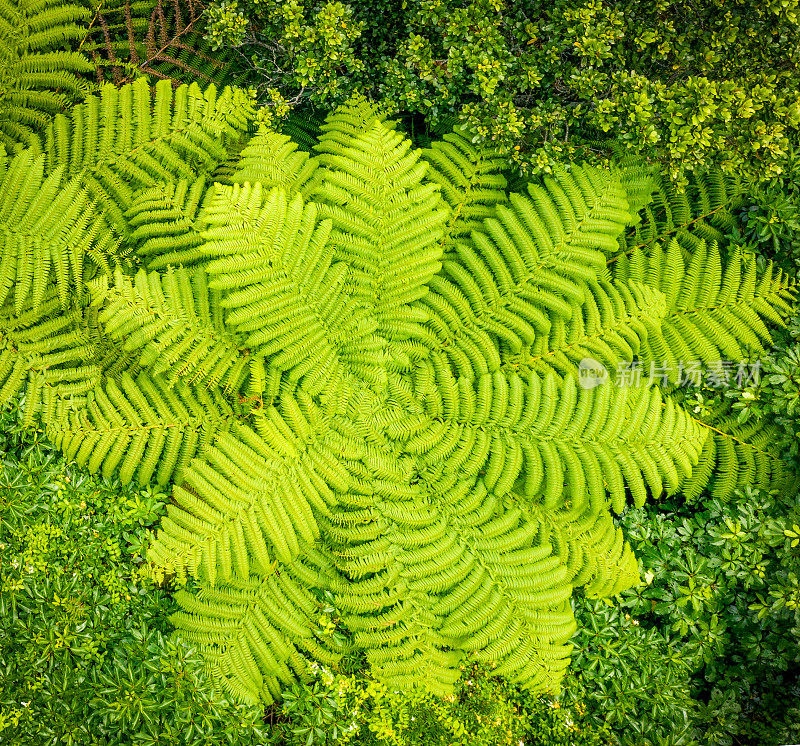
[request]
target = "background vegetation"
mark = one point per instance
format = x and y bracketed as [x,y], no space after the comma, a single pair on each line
[694,83]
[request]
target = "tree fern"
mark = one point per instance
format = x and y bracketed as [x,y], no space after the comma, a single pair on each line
[363,381]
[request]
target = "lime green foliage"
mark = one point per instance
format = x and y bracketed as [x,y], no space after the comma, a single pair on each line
[358,370]
[343,709]
[695,85]
[628,686]
[85,656]
[38,75]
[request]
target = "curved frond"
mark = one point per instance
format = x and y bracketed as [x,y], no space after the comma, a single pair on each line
[141,427]
[40,75]
[387,223]
[164,223]
[705,208]
[273,258]
[527,270]
[716,309]
[470,179]
[48,229]
[49,354]
[176,324]
[275,161]
[127,139]
[256,631]
[736,455]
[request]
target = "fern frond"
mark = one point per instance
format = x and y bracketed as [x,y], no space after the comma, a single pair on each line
[176,324]
[736,455]
[613,326]
[40,76]
[256,631]
[303,127]
[164,223]
[142,427]
[242,506]
[47,353]
[275,161]
[528,268]
[387,224]
[597,557]
[559,444]
[126,139]
[471,182]
[715,310]
[705,208]
[272,258]
[49,228]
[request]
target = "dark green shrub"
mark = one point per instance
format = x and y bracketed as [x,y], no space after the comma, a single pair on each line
[691,83]
[722,585]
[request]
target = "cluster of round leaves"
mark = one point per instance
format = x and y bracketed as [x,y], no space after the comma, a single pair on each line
[723,589]
[694,85]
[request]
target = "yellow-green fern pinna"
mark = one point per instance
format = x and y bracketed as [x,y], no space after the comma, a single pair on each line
[358,369]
